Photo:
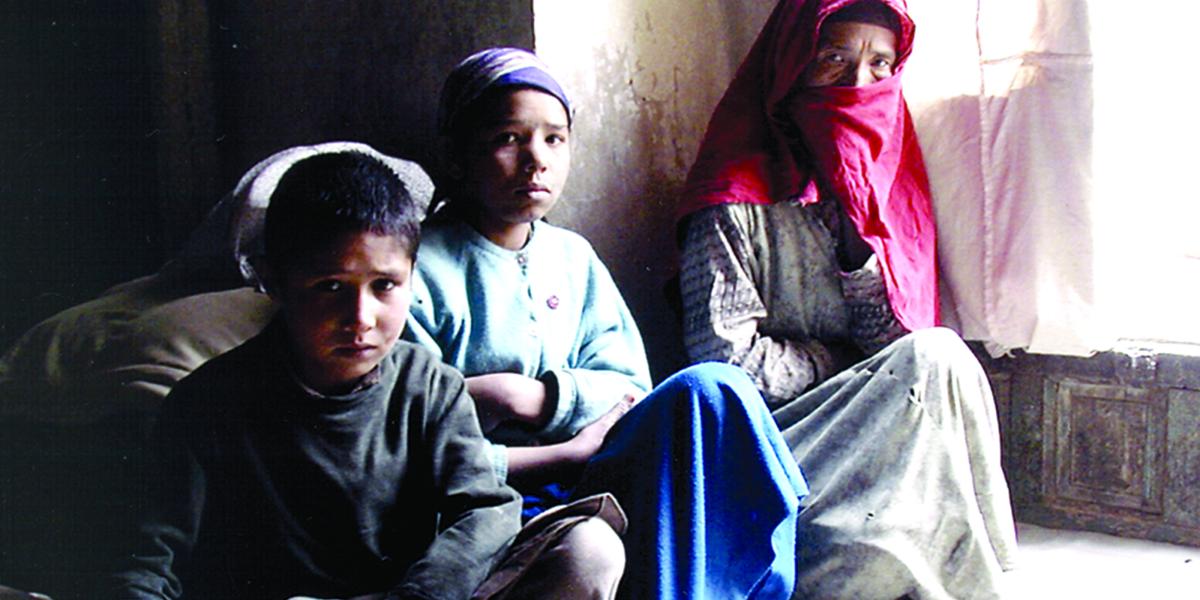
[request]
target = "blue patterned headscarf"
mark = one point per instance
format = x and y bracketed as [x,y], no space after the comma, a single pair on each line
[492,68]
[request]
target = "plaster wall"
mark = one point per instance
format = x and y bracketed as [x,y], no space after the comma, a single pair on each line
[644,76]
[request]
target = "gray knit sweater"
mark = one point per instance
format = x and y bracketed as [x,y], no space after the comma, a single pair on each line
[267,489]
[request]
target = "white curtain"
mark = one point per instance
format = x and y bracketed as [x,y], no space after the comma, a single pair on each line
[1060,142]
[1147,163]
[1002,94]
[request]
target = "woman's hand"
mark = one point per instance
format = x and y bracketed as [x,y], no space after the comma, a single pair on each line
[504,397]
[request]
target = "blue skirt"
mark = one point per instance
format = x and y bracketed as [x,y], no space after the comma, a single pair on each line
[710,489]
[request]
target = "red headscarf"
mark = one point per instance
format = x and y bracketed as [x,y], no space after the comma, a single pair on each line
[855,143]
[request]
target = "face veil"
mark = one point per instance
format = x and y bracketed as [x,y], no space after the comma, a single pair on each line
[770,141]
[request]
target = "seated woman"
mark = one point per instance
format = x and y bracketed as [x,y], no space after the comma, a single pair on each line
[808,257]
[553,358]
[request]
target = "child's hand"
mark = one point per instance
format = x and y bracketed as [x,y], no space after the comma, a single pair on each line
[502,397]
[587,442]
[536,465]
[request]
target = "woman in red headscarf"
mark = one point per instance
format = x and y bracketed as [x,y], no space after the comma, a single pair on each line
[809,259]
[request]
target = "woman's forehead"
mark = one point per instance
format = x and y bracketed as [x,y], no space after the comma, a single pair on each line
[844,33]
[869,12]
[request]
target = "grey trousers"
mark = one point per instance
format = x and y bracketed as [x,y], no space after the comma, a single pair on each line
[902,455]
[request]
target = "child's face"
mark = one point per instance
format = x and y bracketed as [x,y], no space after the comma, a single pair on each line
[345,307]
[518,161]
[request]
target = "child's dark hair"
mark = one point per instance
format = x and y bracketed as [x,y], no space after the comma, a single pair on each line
[324,196]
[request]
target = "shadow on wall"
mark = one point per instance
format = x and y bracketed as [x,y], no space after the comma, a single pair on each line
[124,125]
[290,74]
[77,190]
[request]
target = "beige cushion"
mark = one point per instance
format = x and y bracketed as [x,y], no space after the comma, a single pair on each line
[123,351]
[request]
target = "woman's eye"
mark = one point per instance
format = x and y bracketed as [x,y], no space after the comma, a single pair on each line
[384,285]
[555,139]
[882,63]
[328,285]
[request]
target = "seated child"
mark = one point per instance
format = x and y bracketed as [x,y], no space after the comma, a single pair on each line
[323,458]
[553,358]
[80,391]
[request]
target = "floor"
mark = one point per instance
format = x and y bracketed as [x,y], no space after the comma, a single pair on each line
[1060,565]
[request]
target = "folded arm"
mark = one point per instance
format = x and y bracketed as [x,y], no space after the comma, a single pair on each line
[724,309]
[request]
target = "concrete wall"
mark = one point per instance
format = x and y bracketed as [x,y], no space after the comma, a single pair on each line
[645,76]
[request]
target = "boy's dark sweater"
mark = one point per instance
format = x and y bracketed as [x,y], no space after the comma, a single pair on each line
[269,490]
